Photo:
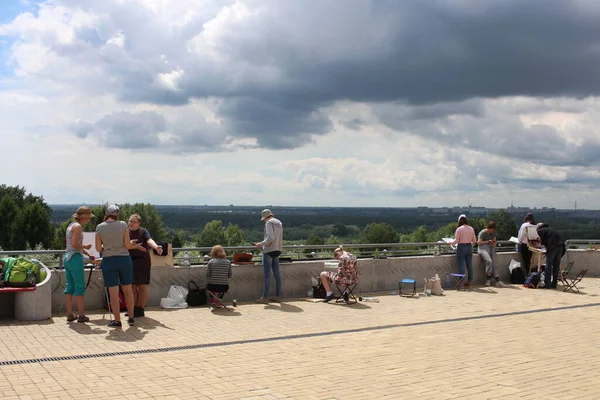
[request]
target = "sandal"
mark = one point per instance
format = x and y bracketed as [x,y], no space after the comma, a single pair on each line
[71,317]
[114,324]
[82,318]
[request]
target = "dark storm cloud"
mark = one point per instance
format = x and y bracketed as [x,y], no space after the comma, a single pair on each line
[124,130]
[277,63]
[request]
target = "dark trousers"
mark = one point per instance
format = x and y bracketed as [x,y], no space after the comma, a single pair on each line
[526,254]
[553,257]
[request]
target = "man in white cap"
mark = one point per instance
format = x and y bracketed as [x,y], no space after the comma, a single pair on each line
[271,247]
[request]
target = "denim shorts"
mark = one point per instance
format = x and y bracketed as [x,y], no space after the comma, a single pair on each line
[117,270]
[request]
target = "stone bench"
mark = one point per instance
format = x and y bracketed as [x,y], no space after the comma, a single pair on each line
[28,303]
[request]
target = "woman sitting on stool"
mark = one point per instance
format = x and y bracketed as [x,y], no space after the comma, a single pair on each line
[346,274]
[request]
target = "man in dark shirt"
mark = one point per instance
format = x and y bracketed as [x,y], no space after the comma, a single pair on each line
[555,248]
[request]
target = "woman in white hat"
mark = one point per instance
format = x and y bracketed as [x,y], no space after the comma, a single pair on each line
[113,241]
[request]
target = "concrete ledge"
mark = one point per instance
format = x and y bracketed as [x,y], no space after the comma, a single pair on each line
[375,275]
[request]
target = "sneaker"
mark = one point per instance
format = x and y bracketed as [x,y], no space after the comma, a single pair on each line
[488,282]
[114,324]
[82,318]
[500,283]
[328,298]
[274,299]
[262,300]
[131,321]
[71,317]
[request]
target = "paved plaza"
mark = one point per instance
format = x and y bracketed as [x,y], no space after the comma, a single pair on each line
[487,343]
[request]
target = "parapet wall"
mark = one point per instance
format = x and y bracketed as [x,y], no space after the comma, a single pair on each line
[375,275]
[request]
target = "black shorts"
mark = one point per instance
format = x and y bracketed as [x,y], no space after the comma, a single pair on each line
[141,271]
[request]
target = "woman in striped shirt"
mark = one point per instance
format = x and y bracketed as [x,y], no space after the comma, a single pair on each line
[218,271]
[464,239]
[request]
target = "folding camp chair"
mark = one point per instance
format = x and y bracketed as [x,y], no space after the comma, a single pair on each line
[571,282]
[562,273]
[216,301]
[346,293]
[456,281]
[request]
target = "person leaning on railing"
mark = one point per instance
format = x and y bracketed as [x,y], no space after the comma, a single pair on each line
[487,251]
[464,238]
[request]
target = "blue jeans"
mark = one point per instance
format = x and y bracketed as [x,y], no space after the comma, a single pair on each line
[268,264]
[464,255]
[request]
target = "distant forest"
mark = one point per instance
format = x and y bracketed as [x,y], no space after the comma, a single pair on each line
[337,223]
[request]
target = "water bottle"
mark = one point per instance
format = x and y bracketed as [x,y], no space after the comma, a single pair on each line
[370,300]
[186,259]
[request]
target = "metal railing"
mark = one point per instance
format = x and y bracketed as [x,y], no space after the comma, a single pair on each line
[201,255]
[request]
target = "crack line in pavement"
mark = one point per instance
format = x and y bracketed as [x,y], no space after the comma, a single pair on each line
[287,337]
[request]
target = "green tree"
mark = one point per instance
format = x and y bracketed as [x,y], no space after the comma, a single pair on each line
[506,225]
[212,234]
[234,235]
[24,219]
[379,233]
[340,230]
[178,239]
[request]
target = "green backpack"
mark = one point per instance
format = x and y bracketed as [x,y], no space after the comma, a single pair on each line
[20,272]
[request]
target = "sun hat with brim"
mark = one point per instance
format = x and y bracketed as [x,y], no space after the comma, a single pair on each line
[83,211]
[266,213]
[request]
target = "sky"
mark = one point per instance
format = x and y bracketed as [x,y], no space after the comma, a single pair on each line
[359,103]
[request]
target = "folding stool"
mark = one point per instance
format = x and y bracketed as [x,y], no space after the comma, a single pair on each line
[407,281]
[456,281]
[347,293]
[215,301]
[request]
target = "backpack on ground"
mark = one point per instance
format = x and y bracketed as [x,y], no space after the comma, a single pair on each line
[20,272]
[517,276]
[122,303]
[532,280]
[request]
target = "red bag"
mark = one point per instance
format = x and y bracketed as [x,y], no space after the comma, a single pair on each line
[122,304]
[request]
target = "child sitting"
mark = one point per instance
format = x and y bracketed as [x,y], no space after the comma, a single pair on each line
[218,272]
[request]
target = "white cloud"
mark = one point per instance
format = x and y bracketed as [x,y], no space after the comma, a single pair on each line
[286,102]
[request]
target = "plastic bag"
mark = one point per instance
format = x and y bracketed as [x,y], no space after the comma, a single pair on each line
[175,298]
[513,264]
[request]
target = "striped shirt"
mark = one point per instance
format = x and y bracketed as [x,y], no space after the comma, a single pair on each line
[70,249]
[218,271]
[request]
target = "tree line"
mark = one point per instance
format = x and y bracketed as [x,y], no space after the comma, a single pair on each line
[26,223]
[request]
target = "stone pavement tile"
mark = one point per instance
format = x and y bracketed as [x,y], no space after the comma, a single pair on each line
[487,357]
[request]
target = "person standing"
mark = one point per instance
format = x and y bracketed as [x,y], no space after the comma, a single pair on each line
[487,251]
[555,249]
[271,247]
[113,242]
[141,263]
[464,238]
[74,266]
[523,241]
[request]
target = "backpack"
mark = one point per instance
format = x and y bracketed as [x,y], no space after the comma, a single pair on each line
[532,280]
[20,272]
[517,276]
[122,303]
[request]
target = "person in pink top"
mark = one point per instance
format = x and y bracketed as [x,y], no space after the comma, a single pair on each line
[464,238]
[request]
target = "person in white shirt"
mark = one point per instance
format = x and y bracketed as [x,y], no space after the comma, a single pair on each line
[523,242]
